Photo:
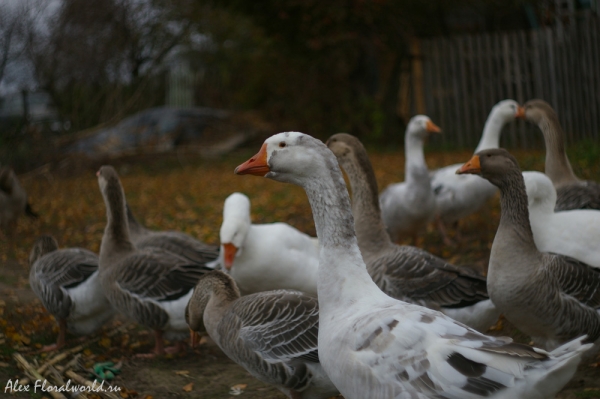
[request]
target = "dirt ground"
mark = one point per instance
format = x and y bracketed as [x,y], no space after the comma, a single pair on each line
[25,325]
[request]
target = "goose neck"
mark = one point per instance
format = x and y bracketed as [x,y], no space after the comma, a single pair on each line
[491,133]
[557,167]
[415,167]
[116,234]
[343,275]
[135,228]
[368,224]
[514,216]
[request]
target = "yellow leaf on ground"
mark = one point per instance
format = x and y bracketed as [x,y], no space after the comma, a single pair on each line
[239,386]
[188,387]
[105,342]
[182,372]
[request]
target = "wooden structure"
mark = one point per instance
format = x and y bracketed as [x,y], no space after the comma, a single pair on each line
[460,78]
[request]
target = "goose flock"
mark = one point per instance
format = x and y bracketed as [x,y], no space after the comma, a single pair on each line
[350,311]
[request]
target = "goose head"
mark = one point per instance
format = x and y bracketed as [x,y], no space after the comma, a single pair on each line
[494,164]
[214,283]
[109,183]
[289,157]
[538,110]
[507,110]
[235,227]
[42,246]
[344,146]
[541,194]
[420,126]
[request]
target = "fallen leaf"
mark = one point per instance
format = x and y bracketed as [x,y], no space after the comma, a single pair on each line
[4,364]
[188,387]
[104,342]
[239,386]
[182,372]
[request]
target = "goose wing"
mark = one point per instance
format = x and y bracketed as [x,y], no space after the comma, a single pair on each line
[428,355]
[581,195]
[180,244]
[158,275]
[279,326]
[409,272]
[54,273]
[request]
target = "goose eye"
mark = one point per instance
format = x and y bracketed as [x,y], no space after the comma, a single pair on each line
[282,144]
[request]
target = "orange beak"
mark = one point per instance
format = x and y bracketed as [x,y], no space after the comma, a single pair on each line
[432,127]
[257,165]
[194,338]
[520,112]
[472,166]
[229,251]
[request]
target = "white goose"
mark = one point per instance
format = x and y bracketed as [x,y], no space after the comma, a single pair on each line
[373,346]
[407,207]
[271,334]
[458,196]
[264,257]
[67,283]
[573,233]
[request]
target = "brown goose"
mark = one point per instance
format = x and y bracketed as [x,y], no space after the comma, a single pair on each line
[571,192]
[13,200]
[174,241]
[272,334]
[66,281]
[553,298]
[151,286]
[401,271]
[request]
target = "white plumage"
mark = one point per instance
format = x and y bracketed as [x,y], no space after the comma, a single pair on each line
[264,257]
[574,233]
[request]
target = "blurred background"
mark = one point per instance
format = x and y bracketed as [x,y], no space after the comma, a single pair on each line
[120,76]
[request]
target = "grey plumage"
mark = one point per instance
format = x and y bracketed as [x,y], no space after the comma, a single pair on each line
[151,285]
[272,334]
[403,272]
[551,297]
[571,192]
[65,281]
[180,243]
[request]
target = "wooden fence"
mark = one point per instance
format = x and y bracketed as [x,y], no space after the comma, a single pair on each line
[457,80]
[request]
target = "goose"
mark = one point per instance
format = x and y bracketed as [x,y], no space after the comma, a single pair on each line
[174,241]
[374,346]
[404,272]
[572,233]
[458,196]
[264,257]
[13,200]
[571,192]
[151,286]
[66,281]
[409,206]
[271,334]
[552,298]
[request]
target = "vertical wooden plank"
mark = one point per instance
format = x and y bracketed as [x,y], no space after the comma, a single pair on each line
[484,88]
[553,82]
[438,83]
[594,79]
[417,72]
[508,80]
[518,84]
[464,89]
[459,125]
[428,92]
[536,59]
[446,116]
[493,97]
